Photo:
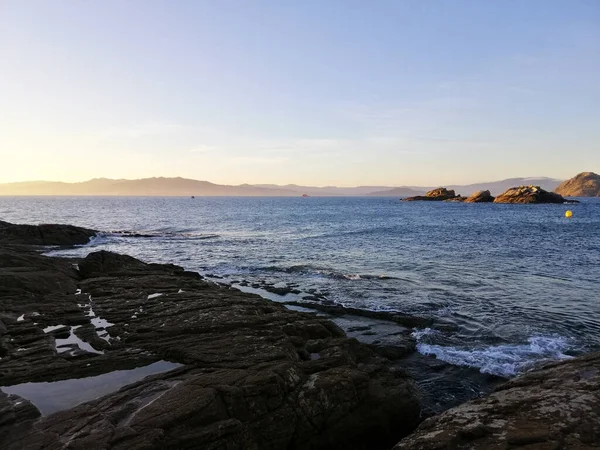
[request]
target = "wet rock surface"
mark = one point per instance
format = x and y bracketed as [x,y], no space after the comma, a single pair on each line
[556,407]
[529,194]
[255,374]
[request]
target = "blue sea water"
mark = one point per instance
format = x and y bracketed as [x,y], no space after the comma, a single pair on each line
[520,282]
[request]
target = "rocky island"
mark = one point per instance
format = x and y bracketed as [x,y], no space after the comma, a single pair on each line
[149,356]
[529,194]
[435,195]
[585,184]
[520,194]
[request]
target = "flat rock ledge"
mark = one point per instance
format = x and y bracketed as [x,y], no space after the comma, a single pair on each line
[46,234]
[254,374]
[556,407]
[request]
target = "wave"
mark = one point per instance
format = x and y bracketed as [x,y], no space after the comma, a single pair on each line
[361,232]
[163,234]
[502,360]
[309,269]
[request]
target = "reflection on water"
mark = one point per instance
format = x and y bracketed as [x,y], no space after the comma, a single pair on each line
[59,395]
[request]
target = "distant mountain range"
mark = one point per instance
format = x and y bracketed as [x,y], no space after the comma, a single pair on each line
[187,187]
[144,187]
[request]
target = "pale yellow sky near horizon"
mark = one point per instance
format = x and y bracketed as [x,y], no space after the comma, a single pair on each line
[309,93]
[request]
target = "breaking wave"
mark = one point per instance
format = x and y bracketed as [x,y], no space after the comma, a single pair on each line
[502,360]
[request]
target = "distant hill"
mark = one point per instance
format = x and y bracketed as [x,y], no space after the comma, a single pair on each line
[398,192]
[585,184]
[188,187]
[327,190]
[144,187]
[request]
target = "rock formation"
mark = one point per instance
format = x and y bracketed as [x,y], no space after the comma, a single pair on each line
[557,407]
[439,194]
[254,374]
[480,197]
[50,234]
[529,194]
[586,184]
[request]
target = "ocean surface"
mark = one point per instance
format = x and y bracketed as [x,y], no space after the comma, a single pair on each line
[520,282]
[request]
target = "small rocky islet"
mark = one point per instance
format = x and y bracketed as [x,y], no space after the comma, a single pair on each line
[247,373]
[585,184]
[520,194]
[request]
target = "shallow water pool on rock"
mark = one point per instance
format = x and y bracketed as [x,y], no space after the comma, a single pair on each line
[50,397]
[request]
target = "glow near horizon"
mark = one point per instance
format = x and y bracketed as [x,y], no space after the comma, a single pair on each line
[313,92]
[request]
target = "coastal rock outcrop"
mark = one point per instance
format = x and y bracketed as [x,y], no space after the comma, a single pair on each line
[45,234]
[529,194]
[254,374]
[480,197]
[585,184]
[439,194]
[556,407]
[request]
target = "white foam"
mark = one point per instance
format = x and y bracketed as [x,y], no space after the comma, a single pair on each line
[352,277]
[156,295]
[418,334]
[21,318]
[180,291]
[502,360]
[78,292]
[98,239]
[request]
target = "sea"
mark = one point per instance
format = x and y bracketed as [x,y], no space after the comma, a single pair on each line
[519,283]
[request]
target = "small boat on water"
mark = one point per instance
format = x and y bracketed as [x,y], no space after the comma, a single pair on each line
[304,195]
[193,196]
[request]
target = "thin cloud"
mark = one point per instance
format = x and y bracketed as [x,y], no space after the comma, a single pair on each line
[256,160]
[204,149]
[144,130]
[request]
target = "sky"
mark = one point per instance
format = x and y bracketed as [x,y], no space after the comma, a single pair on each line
[317,92]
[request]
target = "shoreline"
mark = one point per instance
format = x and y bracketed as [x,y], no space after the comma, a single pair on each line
[249,365]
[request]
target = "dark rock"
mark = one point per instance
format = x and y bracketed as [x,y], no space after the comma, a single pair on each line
[438,194]
[480,197]
[16,415]
[529,194]
[257,374]
[46,234]
[585,184]
[403,319]
[554,407]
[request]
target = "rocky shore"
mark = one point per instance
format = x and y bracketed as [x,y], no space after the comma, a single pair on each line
[252,374]
[146,356]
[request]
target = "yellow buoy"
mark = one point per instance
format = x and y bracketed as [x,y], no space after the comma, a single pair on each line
[568,214]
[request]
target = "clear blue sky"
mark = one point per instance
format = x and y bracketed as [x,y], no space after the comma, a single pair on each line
[299,91]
